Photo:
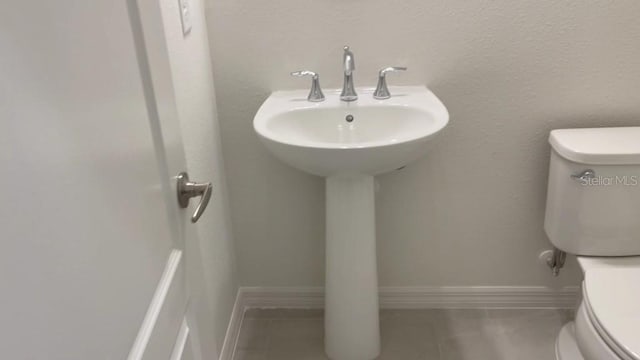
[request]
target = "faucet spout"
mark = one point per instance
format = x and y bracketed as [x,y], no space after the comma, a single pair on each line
[349,62]
[348,89]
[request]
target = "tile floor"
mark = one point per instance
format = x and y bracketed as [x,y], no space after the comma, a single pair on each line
[410,334]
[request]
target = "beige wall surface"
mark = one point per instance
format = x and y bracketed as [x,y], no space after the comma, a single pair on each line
[469,213]
[195,100]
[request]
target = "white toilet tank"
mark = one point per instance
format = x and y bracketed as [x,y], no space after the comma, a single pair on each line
[599,213]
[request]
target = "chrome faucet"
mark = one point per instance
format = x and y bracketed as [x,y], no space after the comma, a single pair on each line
[348,90]
[315,94]
[382,91]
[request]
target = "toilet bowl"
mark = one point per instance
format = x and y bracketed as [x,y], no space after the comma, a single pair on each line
[607,323]
[593,212]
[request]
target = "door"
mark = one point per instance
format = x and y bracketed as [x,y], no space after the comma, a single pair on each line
[92,264]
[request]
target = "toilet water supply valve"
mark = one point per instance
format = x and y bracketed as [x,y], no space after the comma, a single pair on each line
[554,259]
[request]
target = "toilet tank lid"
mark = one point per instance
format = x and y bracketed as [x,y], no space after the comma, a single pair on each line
[598,146]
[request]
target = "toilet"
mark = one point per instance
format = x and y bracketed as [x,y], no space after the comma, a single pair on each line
[593,212]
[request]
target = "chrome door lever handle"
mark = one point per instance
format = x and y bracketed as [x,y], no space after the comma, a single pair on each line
[188,189]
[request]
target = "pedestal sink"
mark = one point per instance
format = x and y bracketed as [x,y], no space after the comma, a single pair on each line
[349,143]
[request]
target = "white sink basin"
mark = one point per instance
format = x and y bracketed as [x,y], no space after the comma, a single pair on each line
[384,134]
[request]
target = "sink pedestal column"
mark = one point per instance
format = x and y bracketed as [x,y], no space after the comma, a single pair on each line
[352,330]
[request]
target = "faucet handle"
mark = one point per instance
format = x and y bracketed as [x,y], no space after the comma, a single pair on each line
[384,71]
[304,73]
[315,95]
[382,91]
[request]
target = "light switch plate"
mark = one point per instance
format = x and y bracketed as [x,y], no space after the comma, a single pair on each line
[185,15]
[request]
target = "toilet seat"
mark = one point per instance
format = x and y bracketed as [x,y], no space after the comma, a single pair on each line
[591,345]
[611,303]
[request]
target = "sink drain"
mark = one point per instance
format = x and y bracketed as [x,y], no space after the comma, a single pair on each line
[349,118]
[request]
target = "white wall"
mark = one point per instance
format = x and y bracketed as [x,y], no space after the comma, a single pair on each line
[195,100]
[471,212]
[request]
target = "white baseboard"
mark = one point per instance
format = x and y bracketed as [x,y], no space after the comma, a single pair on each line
[479,297]
[233,329]
[422,297]
[283,297]
[403,297]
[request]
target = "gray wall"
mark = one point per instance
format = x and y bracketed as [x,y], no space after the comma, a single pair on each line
[471,212]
